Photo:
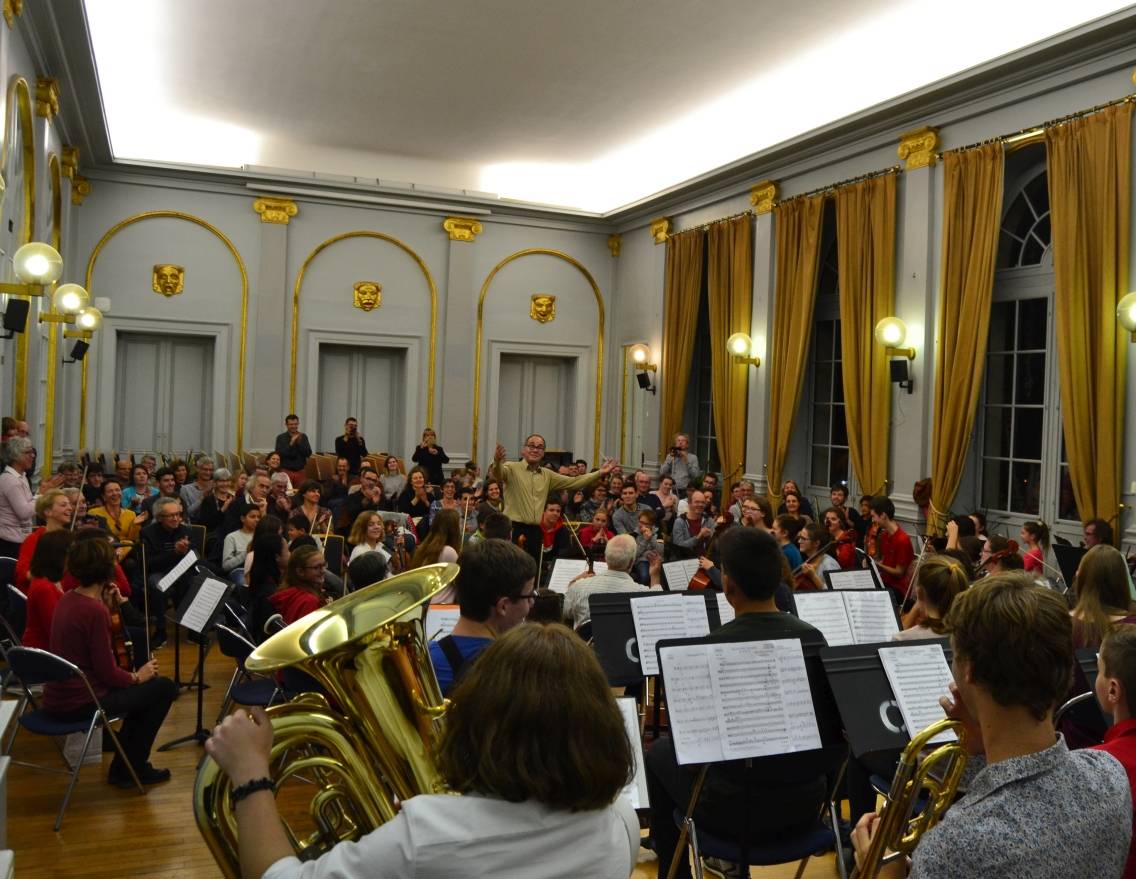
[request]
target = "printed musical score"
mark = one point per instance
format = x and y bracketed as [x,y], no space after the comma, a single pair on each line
[440,620]
[564,571]
[857,579]
[919,677]
[200,611]
[849,617]
[826,611]
[725,609]
[678,574]
[187,562]
[663,617]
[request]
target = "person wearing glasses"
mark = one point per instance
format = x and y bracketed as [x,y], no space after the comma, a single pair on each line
[527,485]
[302,589]
[496,588]
[165,542]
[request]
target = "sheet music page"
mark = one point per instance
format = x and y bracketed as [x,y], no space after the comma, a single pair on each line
[691,707]
[663,617]
[177,570]
[566,570]
[636,790]
[440,620]
[678,574]
[763,700]
[725,609]
[919,676]
[826,611]
[871,615]
[204,604]
[858,579]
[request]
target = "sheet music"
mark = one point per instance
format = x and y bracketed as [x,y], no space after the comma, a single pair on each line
[828,612]
[667,616]
[725,609]
[871,615]
[857,579]
[565,570]
[691,708]
[440,620]
[678,574]
[204,605]
[177,570]
[636,790]
[919,677]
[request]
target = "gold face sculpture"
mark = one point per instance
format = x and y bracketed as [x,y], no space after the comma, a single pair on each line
[543,308]
[368,295]
[168,279]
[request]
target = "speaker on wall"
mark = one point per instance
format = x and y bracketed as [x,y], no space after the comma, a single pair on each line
[16,317]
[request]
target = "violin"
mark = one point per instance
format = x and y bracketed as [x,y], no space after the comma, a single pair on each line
[701,579]
[121,646]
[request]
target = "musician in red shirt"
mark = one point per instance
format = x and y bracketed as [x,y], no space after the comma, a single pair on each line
[1116,692]
[895,553]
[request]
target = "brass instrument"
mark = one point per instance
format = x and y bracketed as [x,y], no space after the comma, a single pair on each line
[937,774]
[366,746]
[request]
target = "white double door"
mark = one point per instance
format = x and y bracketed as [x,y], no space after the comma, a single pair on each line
[536,395]
[364,383]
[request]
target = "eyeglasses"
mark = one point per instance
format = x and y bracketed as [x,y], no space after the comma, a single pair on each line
[535,448]
[169,516]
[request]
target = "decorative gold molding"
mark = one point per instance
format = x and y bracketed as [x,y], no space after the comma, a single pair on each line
[614,243]
[167,279]
[275,210]
[224,239]
[55,178]
[18,109]
[660,229]
[918,148]
[13,9]
[763,196]
[381,236]
[538,251]
[543,308]
[462,228]
[70,161]
[80,189]
[367,295]
[47,96]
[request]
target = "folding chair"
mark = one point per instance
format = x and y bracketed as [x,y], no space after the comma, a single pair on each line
[17,613]
[243,688]
[33,666]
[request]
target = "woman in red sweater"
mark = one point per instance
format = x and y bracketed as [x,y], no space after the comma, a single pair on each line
[45,591]
[80,633]
[55,509]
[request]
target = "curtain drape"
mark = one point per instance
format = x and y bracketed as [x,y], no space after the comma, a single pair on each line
[730,295]
[972,207]
[798,224]
[865,257]
[1089,197]
[680,320]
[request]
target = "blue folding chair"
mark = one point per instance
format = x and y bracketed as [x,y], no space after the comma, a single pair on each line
[33,666]
[244,688]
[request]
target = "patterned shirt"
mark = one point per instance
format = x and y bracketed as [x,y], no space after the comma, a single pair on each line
[1055,814]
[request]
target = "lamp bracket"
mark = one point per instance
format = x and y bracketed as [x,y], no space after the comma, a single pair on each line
[909,353]
[25,290]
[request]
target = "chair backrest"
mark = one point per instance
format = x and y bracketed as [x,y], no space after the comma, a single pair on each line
[34,666]
[198,534]
[7,568]
[16,612]
[233,644]
[333,552]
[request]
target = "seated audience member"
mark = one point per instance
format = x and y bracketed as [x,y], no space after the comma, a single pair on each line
[492,502]
[237,546]
[80,633]
[448,500]
[647,547]
[1096,532]
[394,477]
[366,569]
[214,504]
[642,484]
[668,503]
[368,498]
[44,588]
[495,592]
[693,529]
[279,494]
[167,488]
[547,803]
[254,495]
[620,556]
[193,493]
[596,531]
[139,489]
[939,581]
[54,507]
[775,804]
[1035,808]
[302,589]
[894,553]
[123,468]
[119,521]
[92,488]
[467,507]
[810,540]
[625,517]
[319,517]
[597,500]
[416,498]
[269,556]
[165,542]
[181,472]
[1116,691]
[1103,596]
[151,465]
[336,489]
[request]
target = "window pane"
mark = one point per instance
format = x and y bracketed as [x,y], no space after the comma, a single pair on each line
[1032,252]
[1038,191]
[996,443]
[839,427]
[820,464]
[999,375]
[1030,379]
[1025,487]
[1066,501]
[838,382]
[1001,327]
[822,383]
[838,471]
[1032,320]
[824,340]
[820,425]
[1027,433]
[995,476]
[837,344]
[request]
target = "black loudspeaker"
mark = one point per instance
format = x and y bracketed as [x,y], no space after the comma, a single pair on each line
[900,370]
[643,379]
[78,351]
[16,317]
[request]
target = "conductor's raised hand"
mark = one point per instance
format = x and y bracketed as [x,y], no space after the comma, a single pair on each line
[607,466]
[499,453]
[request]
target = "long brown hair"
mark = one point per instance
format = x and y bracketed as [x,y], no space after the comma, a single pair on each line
[506,738]
[1102,590]
[444,531]
[941,578]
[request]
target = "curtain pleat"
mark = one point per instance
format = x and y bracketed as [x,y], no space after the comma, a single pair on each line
[865,256]
[680,320]
[1090,196]
[972,206]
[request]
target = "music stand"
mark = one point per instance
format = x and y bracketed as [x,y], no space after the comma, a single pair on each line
[204,598]
[1068,560]
[859,578]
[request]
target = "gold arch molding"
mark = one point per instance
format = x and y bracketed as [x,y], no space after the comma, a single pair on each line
[55,177]
[390,239]
[575,263]
[209,227]
[19,107]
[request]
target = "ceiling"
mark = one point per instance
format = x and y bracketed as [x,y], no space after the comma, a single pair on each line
[588,105]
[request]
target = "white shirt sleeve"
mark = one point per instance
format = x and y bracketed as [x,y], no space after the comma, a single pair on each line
[385,853]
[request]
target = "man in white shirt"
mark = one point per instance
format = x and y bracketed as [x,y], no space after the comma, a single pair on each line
[619,555]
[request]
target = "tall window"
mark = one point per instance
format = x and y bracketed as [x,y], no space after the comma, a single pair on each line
[828,430]
[699,408]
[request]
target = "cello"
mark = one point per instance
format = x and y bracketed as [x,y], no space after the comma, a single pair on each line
[701,579]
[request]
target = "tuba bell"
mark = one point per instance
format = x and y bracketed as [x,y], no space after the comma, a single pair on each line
[366,745]
[936,776]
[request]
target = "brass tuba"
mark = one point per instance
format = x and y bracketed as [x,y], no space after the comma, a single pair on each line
[367,745]
[936,775]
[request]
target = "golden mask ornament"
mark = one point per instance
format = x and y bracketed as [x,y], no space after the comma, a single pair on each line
[169,280]
[543,308]
[368,295]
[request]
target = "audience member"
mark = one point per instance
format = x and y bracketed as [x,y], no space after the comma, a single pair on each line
[294,449]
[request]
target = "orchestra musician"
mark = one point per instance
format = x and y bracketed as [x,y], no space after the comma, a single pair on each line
[810,574]
[843,537]
[693,529]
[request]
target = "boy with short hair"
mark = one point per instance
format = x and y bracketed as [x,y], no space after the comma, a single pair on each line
[1116,692]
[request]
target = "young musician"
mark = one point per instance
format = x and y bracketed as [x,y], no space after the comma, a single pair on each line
[895,553]
[368,534]
[810,540]
[596,531]
[430,457]
[939,581]
[1035,536]
[45,589]
[302,589]
[693,530]
[441,545]
[56,510]
[842,537]
[1103,597]
[319,517]
[1116,691]
[1035,808]
[786,527]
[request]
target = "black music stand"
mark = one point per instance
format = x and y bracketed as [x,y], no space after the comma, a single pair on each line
[857,574]
[203,600]
[1068,560]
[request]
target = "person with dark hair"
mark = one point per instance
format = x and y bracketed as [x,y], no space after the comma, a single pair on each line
[269,552]
[166,480]
[775,803]
[1035,535]
[293,448]
[297,526]
[1095,532]
[542,800]
[1115,689]
[302,589]
[495,590]
[838,494]
[894,553]
[786,527]
[811,538]
[1000,554]
[430,456]
[495,526]
[45,589]
[979,520]
[1035,808]
[351,445]
[319,517]
[365,569]
[81,634]
[165,542]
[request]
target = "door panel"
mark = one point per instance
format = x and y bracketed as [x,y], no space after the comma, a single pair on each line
[367,383]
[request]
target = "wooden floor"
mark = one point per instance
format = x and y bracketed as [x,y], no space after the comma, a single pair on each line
[109,833]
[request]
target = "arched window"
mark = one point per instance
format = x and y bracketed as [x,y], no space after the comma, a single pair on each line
[1026,236]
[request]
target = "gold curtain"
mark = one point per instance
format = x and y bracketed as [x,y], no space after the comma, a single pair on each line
[730,295]
[680,319]
[798,260]
[972,207]
[1089,196]
[865,257]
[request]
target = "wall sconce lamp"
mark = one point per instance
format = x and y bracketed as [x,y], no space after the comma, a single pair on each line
[38,266]
[641,357]
[69,300]
[891,333]
[1126,314]
[740,347]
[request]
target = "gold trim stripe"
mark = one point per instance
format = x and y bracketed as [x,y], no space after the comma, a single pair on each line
[55,176]
[20,104]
